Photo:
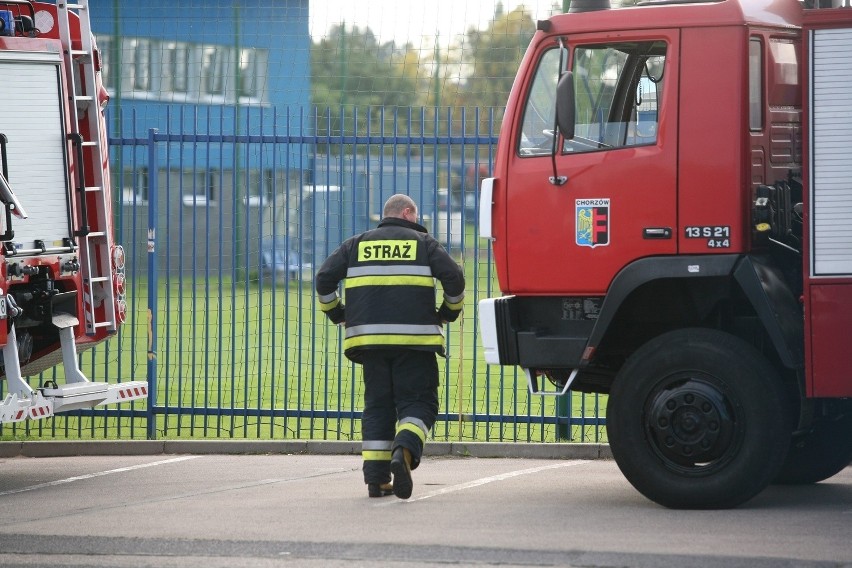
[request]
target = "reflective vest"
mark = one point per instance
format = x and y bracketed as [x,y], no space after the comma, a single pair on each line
[390,275]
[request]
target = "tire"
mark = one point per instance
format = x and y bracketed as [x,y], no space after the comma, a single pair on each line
[693,420]
[822,452]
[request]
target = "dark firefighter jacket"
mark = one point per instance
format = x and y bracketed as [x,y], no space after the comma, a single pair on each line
[390,275]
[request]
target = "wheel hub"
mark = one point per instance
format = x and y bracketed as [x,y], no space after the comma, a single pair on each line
[690,423]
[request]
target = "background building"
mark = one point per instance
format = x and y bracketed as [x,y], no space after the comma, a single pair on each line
[207,71]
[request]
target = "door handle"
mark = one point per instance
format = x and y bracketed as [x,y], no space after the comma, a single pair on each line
[657,233]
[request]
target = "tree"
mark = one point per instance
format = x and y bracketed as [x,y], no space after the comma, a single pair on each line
[351,71]
[495,54]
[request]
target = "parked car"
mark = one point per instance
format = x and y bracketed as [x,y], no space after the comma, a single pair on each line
[281,261]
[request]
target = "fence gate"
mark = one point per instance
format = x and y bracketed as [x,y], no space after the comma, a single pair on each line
[223,232]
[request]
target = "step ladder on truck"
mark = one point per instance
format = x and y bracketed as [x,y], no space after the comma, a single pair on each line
[62,279]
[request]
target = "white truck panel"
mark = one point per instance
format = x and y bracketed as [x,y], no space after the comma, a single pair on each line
[830,150]
[35,127]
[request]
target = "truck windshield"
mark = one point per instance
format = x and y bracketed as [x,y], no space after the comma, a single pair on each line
[617,88]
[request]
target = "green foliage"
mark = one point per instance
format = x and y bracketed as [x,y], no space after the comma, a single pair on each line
[496,53]
[351,71]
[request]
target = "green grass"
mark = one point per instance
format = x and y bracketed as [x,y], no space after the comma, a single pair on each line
[244,348]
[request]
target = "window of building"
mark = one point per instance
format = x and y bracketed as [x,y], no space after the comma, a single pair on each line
[134,186]
[176,58]
[174,70]
[105,52]
[213,70]
[248,73]
[199,188]
[254,194]
[141,64]
[253,65]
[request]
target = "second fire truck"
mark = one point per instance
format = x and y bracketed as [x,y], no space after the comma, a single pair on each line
[61,273]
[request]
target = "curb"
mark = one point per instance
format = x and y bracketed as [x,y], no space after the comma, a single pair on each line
[39,449]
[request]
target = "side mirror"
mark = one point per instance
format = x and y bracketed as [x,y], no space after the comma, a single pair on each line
[565,105]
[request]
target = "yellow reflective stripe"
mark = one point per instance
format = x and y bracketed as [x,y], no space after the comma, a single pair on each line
[330,305]
[454,306]
[412,428]
[362,340]
[417,422]
[376,455]
[390,281]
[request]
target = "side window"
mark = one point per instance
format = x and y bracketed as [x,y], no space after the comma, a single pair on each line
[618,90]
[540,110]
[755,84]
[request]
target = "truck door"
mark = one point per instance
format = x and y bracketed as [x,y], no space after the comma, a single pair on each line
[618,202]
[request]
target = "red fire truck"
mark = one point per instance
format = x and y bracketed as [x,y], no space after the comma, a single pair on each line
[61,274]
[671,221]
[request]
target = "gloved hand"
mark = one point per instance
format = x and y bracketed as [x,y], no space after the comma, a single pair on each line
[337,314]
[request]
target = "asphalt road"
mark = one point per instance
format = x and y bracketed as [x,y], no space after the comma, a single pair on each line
[313,510]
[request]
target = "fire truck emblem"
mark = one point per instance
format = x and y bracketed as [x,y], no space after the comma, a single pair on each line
[592,222]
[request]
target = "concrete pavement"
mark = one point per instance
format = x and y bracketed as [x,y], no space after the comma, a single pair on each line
[295,509]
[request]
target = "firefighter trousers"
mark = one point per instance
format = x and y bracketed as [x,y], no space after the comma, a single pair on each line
[400,407]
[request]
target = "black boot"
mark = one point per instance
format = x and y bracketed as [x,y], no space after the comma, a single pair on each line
[379,489]
[401,469]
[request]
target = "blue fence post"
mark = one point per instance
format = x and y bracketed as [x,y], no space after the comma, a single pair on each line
[153,181]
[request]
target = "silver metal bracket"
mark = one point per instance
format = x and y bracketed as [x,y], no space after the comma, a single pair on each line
[532,383]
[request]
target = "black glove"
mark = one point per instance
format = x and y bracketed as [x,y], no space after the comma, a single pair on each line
[447,315]
[337,314]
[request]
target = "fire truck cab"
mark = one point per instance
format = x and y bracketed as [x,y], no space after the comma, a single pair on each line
[671,221]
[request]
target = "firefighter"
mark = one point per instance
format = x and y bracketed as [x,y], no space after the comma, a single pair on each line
[394,331]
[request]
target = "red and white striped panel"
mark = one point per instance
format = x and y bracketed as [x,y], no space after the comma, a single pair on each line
[19,415]
[132,392]
[88,308]
[14,409]
[39,411]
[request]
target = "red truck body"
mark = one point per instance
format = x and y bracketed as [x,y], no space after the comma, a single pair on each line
[695,182]
[62,280]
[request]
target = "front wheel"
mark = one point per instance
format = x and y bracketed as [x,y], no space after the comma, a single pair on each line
[694,420]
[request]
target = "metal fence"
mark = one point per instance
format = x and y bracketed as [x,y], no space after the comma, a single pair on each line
[223,227]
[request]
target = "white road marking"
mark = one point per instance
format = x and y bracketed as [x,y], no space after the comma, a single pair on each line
[484,481]
[96,474]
